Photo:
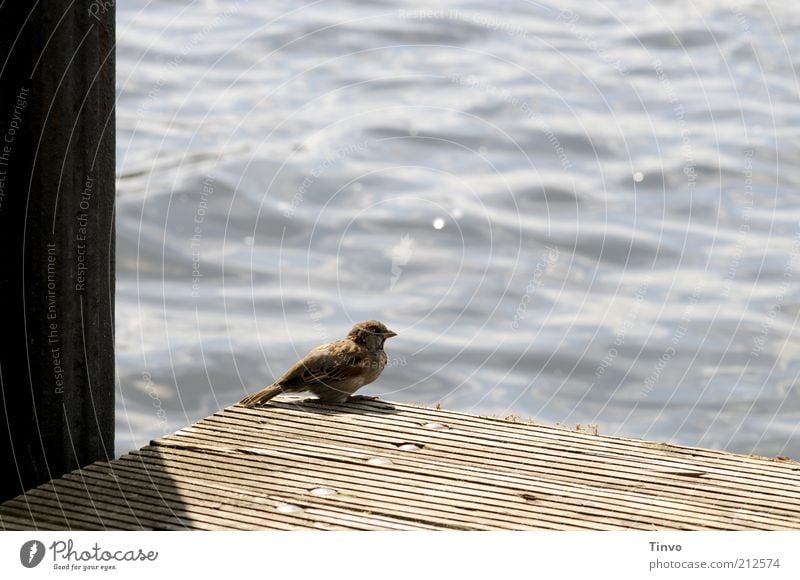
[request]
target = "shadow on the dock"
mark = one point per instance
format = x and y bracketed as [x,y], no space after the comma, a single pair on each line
[312,405]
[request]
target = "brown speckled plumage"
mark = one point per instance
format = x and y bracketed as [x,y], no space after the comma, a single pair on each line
[334,371]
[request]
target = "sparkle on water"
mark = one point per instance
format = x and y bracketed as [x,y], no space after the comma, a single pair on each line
[438,223]
[638,176]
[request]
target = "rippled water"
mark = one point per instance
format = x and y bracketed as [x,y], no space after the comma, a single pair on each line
[579,214]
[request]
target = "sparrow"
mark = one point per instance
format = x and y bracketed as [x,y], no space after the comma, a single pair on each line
[334,371]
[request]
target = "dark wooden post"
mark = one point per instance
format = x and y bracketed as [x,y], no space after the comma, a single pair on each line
[56,239]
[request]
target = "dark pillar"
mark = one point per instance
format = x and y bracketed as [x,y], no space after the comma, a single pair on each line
[56,239]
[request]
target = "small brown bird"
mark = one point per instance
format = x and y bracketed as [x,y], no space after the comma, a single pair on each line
[334,371]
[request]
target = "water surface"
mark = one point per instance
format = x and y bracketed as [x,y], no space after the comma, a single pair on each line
[577,214]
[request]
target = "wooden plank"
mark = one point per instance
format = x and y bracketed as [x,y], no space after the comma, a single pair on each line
[548,451]
[581,465]
[562,494]
[228,501]
[532,487]
[480,426]
[543,514]
[452,515]
[256,469]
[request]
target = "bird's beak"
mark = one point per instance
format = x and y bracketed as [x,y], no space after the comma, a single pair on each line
[389,334]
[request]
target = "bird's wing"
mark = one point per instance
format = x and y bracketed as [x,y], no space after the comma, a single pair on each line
[325,364]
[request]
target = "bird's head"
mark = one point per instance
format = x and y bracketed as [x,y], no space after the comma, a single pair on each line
[370,333]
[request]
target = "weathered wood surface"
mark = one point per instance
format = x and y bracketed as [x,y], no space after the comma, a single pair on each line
[384,466]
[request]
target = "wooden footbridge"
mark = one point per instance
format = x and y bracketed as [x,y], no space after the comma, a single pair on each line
[375,465]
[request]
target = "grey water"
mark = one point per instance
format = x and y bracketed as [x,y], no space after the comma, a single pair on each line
[579,213]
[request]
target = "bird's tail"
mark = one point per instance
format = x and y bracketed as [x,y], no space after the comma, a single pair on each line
[261,396]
